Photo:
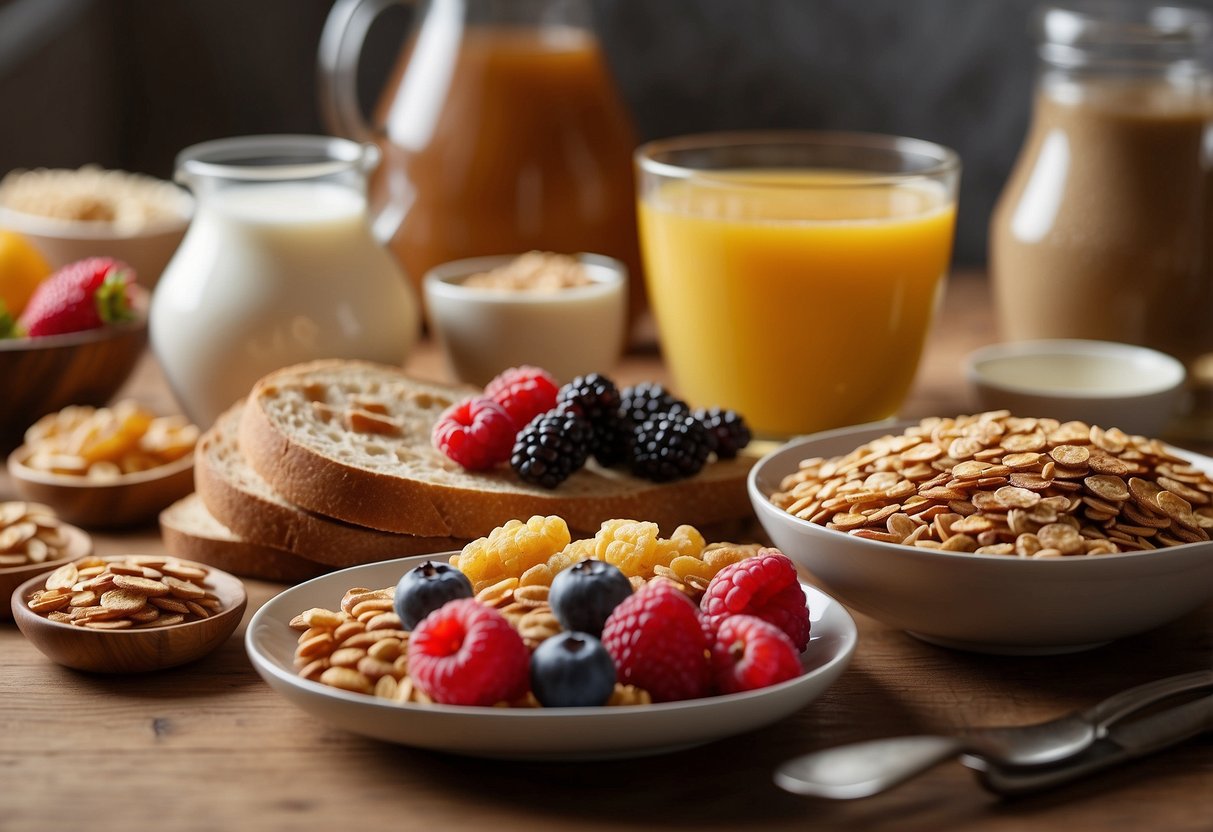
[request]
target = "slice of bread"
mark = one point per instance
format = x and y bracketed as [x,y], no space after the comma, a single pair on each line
[241,500]
[190,532]
[352,440]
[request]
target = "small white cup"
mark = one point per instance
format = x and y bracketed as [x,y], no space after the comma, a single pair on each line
[1098,382]
[568,332]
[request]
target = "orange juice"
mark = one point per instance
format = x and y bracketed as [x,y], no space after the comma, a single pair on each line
[800,299]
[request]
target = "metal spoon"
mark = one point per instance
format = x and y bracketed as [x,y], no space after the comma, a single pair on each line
[868,768]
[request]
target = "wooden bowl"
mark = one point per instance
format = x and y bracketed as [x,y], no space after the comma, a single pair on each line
[128,500]
[79,545]
[42,375]
[132,650]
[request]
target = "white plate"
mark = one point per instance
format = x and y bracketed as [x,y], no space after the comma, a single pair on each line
[557,733]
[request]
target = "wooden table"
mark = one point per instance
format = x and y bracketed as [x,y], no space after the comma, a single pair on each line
[210,746]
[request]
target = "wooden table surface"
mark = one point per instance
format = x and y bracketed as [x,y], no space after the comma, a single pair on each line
[209,746]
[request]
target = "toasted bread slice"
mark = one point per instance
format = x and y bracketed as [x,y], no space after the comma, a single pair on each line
[241,500]
[190,532]
[352,440]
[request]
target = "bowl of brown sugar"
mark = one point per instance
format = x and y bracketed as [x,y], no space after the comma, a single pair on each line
[566,314]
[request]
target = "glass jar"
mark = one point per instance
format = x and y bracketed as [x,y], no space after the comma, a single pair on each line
[278,266]
[1105,227]
[501,129]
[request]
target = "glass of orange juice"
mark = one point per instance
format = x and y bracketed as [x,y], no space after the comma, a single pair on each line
[794,275]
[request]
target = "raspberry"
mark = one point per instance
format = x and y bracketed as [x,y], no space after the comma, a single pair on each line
[511,549]
[597,398]
[647,400]
[669,447]
[524,392]
[477,433]
[764,586]
[553,446]
[657,643]
[748,653]
[727,428]
[468,654]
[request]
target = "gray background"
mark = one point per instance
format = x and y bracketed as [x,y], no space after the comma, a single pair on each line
[128,83]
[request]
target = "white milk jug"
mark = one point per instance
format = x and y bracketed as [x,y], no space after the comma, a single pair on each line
[278,266]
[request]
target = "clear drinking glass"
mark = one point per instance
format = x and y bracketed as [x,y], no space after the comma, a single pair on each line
[794,275]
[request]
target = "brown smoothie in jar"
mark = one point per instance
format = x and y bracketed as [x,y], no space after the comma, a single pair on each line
[1105,228]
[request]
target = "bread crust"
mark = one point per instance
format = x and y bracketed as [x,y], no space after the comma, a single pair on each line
[430,495]
[191,534]
[235,495]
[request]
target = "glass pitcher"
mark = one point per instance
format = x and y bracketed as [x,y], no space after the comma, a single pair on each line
[278,266]
[501,130]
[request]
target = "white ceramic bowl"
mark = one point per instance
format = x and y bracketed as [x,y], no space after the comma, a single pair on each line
[147,251]
[567,332]
[1098,382]
[535,733]
[985,603]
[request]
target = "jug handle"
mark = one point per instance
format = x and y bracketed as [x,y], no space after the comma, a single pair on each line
[341,42]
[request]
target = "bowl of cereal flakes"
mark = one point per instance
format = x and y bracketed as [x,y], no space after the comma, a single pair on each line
[69,215]
[33,541]
[995,533]
[129,613]
[106,467]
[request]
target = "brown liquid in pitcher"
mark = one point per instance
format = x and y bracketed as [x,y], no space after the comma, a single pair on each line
[1105,229]
[513,140]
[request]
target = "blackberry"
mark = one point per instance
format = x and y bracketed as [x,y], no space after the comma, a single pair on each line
[647,400]
[551,447]
[727,428]
[669,447]
[597,398]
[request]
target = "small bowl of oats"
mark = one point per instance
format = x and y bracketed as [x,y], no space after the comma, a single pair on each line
[995,533]
[69,215]
[129,613]
[566,314]
[33,541]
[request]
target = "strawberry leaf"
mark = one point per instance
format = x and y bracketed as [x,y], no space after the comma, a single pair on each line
[8,324]
[113,305]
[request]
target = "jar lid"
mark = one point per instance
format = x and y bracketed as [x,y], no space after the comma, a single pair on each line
[1127,33]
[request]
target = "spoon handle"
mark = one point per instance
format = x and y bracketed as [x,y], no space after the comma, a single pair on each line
[865,768]
[1123,742]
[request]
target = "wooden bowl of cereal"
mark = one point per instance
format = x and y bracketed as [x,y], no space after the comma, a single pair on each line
[106,467]
[996,534]
[43,375]
[129,614]
[33,542]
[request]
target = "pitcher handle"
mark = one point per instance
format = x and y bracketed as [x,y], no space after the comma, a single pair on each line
[341,43]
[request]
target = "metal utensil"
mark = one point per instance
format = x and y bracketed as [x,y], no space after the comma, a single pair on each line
[1124,741]
[868,768]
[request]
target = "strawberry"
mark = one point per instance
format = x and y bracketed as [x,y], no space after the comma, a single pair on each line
[83,295]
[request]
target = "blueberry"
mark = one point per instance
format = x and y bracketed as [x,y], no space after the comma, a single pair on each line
[572,670]
[583,595]
[427,587]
